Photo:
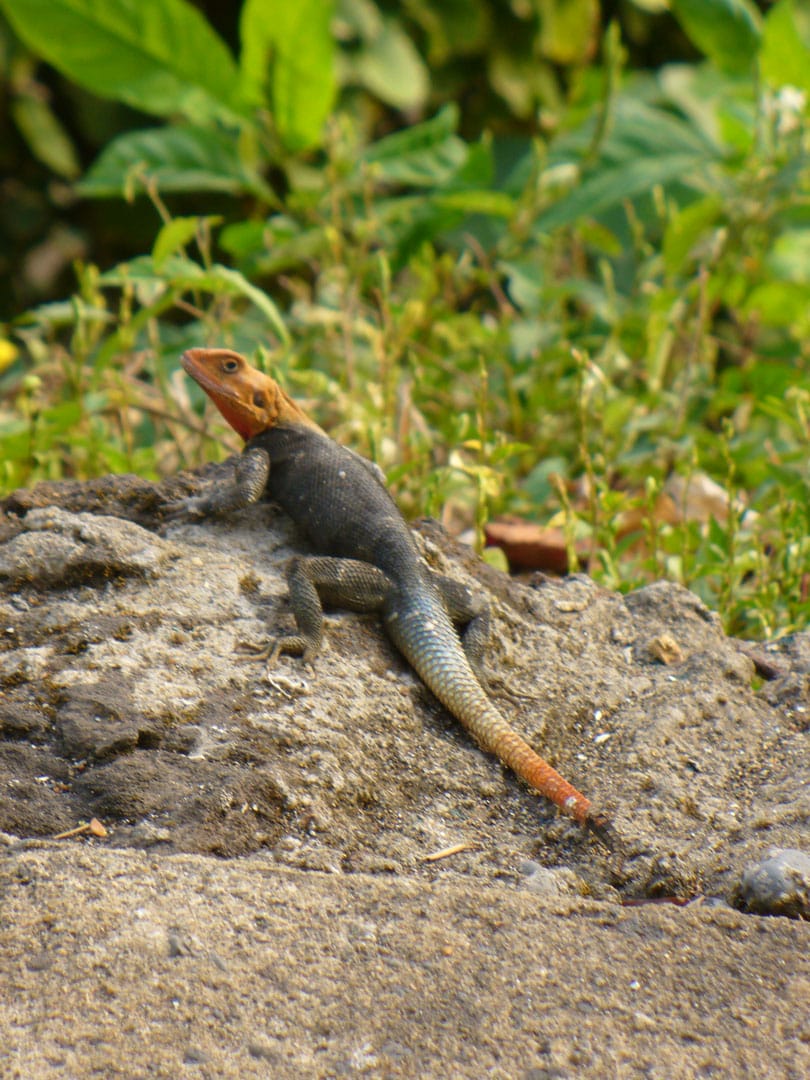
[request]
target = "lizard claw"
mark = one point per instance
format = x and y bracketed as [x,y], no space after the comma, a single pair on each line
[189,508]
[247,651]
[599,824]
[291,644]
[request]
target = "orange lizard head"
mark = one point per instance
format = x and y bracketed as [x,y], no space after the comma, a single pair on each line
[249,400]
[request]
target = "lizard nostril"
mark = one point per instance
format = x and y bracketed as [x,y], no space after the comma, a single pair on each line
[258,401]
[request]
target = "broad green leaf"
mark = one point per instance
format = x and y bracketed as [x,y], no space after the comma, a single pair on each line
[727,31]
[424,155]
[477,168]
[779,303]
[47,139]
[173,159]
[610,187]
[160,56]
[785,58]
[174,235]
[357,19]
[390,68]
[647,147]
[288,64]
[643,130]
[244,239]
[721,108]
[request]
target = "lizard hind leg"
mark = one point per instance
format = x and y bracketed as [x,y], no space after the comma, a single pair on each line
[470,615]
[313,581]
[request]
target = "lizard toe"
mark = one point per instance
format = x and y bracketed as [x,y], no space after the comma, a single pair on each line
[248,651]
[605,832]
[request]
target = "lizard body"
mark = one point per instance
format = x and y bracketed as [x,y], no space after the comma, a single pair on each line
[368,559]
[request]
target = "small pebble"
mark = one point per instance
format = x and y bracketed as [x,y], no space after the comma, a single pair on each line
[779,884]
[547,882]
[147,834]
[195,1056]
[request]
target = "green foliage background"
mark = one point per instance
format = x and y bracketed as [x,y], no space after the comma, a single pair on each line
[545,257]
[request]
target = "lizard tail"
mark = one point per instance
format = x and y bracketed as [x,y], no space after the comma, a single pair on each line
[519,756]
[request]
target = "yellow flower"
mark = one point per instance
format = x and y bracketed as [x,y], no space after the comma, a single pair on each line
[8,353]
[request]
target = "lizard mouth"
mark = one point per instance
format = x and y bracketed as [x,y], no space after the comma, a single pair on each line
[238,412]
[200,374]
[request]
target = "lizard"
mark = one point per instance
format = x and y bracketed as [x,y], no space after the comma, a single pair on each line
[366,559]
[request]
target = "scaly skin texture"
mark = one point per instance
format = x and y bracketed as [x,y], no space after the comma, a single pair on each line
[369,559]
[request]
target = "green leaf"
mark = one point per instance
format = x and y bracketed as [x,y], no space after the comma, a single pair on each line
[785,58]
[609,187]
[47,139]
[174,235]
[61,313]
[727,31]
[178,272]
[686,230]
[236,282]
[390,68]
[266,247]
[160,56]
[646,147]
[424,155]
[493,203]
[244,239]
[525,281]
[778,303]
[789,258]
[569,30]
[288,64]
[173,159]
[453,28]
[523,80]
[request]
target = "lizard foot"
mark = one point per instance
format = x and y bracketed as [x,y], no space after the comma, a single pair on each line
[248,651]
[192,508]
[290,645]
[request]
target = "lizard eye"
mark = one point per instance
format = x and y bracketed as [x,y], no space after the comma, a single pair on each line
[230,366]
[258,400]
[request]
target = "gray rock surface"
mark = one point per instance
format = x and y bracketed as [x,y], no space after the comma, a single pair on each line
[125,964]
[335,946]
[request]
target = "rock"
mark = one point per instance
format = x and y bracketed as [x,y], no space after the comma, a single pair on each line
[58,548]
[377,975]
[321,789]
[135,702]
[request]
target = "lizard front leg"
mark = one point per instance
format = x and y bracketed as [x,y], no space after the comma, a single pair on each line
[248,484]
[313,580]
